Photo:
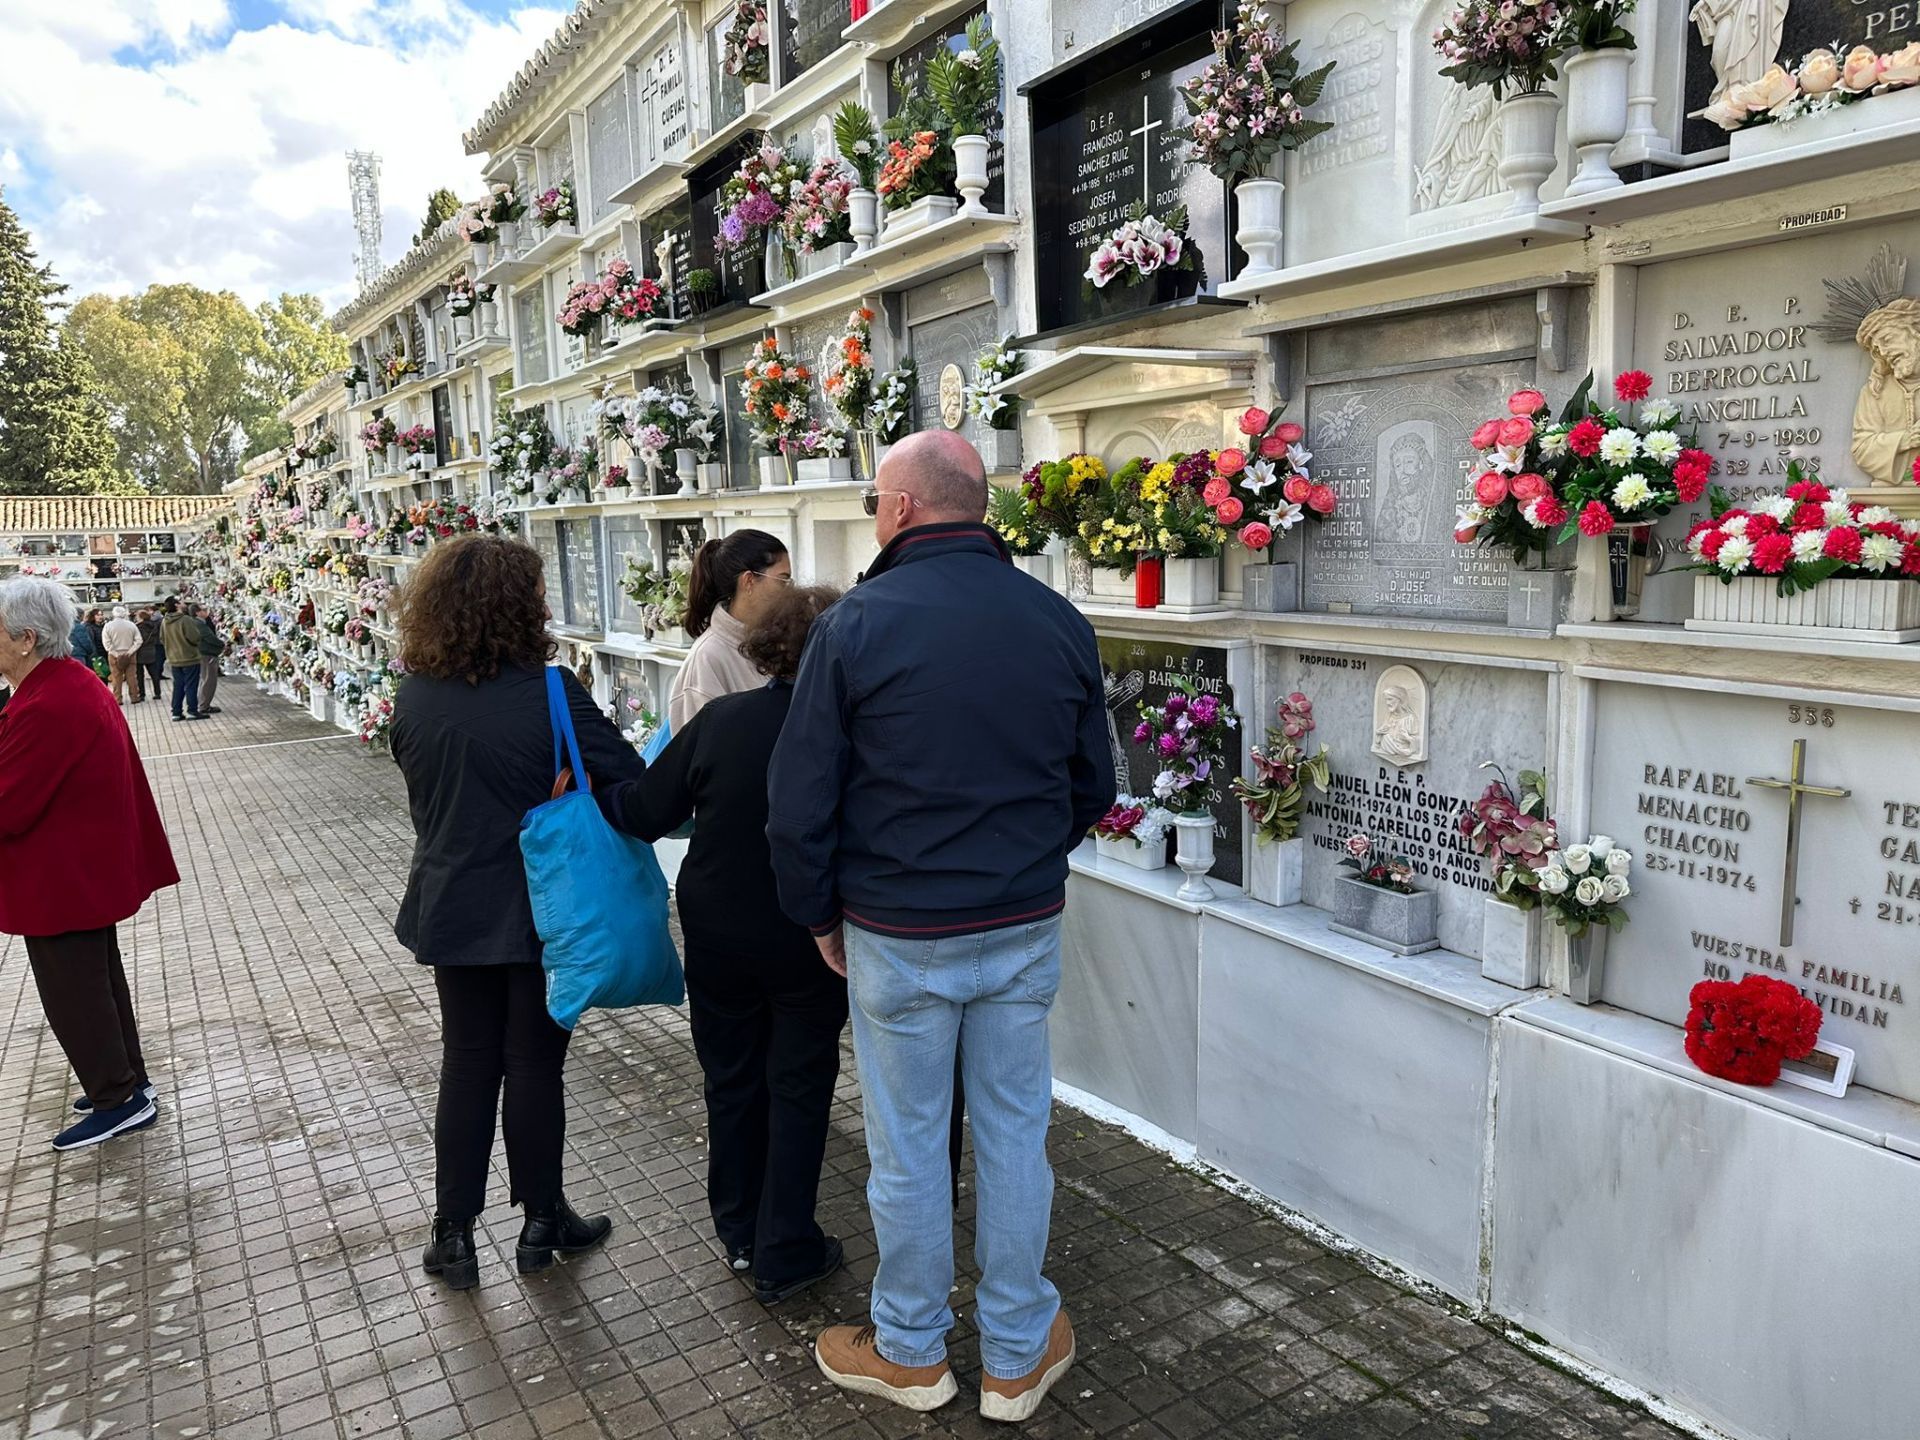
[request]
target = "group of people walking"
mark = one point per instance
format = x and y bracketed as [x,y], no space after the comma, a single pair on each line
[132,651]
[883,789]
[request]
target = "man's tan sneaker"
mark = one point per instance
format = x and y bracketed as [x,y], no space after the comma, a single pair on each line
[849,1356]
[1013,1400]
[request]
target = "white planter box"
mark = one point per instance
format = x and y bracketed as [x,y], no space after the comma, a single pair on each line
[1874,113]
[1879,611]
[1190,586]
[1510,945]
[320,705]
[1110,587]
[711,477]
[1040,567]
[929,210]
[1275,869]
[774,474]
[1126,852]
[830,257]
[823,472]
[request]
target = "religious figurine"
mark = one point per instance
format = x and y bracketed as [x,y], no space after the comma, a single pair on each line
[1745,36]
[1400,716]
[1406,487]
[663,257]
[1463,162]
[1874,313]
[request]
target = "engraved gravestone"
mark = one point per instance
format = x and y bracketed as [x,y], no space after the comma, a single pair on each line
[530,331]
[911,65]
[1695,783]
[609,147]
[809,32]
[674,225]
[949,340]
[660,107]
[1357,166]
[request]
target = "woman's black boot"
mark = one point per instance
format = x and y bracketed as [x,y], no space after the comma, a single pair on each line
[451,1256]
[556,1228]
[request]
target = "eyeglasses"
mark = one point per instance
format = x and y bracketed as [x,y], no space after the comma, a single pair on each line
[870,498]
[786,579]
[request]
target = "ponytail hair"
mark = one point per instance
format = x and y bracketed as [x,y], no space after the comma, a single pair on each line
[717,568]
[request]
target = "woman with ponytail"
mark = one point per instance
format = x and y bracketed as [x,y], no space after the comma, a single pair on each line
[733,579]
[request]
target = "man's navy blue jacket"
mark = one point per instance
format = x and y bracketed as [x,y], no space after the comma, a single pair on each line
[947,746]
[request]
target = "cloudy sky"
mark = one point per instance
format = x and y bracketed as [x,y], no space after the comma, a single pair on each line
[151,141]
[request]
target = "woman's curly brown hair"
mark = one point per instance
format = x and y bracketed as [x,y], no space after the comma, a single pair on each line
[473,605]
[774,644]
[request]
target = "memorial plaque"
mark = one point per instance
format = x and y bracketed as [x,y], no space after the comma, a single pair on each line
[1692,781]
[1102,142]
[544,536]
[662,119]
[1353,168]
[1144,672]
[911,64]
[727,96]
[1736,40]
[674,226]
[1396,451]
[955,339]
[809,32]
[740,451]
[629,537]
[530,335]
[579,542]
[446,444]
[741,273]
[683,538]
[609,147]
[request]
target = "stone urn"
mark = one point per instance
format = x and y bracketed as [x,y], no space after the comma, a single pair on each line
[1596,116]
[1193,853]
[1527,154]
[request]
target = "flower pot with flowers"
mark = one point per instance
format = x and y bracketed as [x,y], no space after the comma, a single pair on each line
[1812,562]
[778,391]
[1596,88]
[1133,832]
[821,456]
[1190,735]
[890,416]
[476,226]
[1583,889]
[1816,99]
[1380,904]
[500,214]
[914,181]
[1012,515]
[1146,251]
[964,84]
[754,200]
[1247,109]
[1109,533]
[613,484]
[1510,46]
[1514,835]
[1051,492]
[380,437]
[858,141]
[555,209]
[1621,473]
[1744,1030]
[998,414]
[744,50]
[815,225]
[1181,531]
[1275,795]
[848,385]
[703,290]
[1262,492]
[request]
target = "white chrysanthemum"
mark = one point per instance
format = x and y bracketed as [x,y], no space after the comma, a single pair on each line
[1734,525]
[1632,492]
[1839,495]
[1736,554]
[1877,515]
[1910,529]
[1697,546]
[1553,443]
[1659,412]
[1619,445]
[1778,507]
[1808,544]
[1835,512]
[1879,552]
[1661,445]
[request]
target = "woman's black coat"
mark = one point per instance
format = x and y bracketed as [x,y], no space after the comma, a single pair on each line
[476,759]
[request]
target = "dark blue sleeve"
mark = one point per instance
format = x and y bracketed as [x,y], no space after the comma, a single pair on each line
[1091,769]
[804,786]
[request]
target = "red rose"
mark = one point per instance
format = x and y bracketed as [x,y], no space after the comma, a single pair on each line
[1529,486]
[1295,488]
[1215,491]
[1486,435]
[1843,544]
[1256,536]
[1229,511]
[1289,433]
[1253,422]
[1584,439]
[1552,510]
[1596,519]
[1808,516]
[1633,385]
[1272,446]
[1491,488]
[1526,402]
[1772,553]
[1711,543]
[1230,462]
[1517,431]
[1321,499]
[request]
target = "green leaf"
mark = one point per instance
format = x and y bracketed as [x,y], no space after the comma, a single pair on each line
[1306,89]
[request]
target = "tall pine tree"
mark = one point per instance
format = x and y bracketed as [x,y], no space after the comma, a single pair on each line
[54,438]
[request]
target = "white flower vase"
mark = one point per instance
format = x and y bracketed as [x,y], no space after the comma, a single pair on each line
[462,329]
[923,213]
[1040,567]
[1510,944]
[863,217]
[1193,853]
[1131,853]
[1527,155]
[774,473]
[1587,964]
[479,257]
[1275,869]
[1260,230]
[711,477]
[970,172]
[1191,585]
[393,457]
[508,242]
[1596,115]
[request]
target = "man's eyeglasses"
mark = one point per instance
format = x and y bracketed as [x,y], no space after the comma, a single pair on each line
[870,498]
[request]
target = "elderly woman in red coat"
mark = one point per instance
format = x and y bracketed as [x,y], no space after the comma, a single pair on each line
[81,849]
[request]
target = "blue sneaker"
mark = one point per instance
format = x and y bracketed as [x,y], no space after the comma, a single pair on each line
[136,1114]
[84,1106]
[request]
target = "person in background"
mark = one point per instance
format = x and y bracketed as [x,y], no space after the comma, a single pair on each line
[81,644]
[122,639]
[766,1013]
[153,654]
[945,750]
[71,784]
[97,629]
[732,580]
[180,636]
[211,650]
[472,738]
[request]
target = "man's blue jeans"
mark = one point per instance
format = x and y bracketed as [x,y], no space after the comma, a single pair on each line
[186,686]
[914,1001]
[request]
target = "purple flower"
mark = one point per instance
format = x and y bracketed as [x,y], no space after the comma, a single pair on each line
[732,229]
[1142,733]
[1176,706]
[1169,745]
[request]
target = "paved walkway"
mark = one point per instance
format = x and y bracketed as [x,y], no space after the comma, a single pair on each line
[249,1267]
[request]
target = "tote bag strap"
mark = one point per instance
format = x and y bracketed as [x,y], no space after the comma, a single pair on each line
[566,745]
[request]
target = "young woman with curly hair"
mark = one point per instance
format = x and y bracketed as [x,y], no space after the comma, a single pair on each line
[472,737]
[766,1013]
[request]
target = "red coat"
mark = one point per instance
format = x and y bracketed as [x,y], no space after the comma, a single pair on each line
[81,844]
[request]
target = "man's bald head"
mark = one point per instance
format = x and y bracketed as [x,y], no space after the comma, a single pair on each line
[942,472]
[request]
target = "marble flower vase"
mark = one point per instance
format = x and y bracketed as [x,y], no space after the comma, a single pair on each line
[1131,853]
[863,218]
[1270,589]
[1190,585]
[1527,153]
[1275,869]
[1261,203]
[1596,116]
[1040,567]
[1405,923]
[1587,964]
[970,172]
[1510,944]
[1193,853]
[922,214]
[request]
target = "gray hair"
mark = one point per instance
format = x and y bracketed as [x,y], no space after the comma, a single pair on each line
[43,606]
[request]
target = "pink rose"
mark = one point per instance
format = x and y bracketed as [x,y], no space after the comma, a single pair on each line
[1902,67]
[1230,462]
[1272,446]
[1294,489]
[1517,431]
[1229,511]
[1490,489]
[1486,435]
[1321,499]
[1526,402]
[1290,433]
[1860,71]
[1253,422]
[1215,491]
[1529,486]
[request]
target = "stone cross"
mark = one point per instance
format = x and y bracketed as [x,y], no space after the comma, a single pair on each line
[1795,787]
[1529,590]
[1145,130]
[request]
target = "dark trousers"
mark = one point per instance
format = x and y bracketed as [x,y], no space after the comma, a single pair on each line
[186,686]
[767,1030]
[494,1028]
[83,989]
[154,669]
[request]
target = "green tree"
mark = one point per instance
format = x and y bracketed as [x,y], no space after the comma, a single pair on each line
[54,436]
[302,348]
[442,206]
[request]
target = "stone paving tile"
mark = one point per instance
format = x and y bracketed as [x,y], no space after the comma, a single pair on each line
[249,1267]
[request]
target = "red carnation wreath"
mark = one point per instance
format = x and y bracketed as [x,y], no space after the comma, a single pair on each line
[1742,1031]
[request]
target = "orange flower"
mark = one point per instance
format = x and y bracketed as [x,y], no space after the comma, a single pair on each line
[773,372]
[802,372]
[779,411]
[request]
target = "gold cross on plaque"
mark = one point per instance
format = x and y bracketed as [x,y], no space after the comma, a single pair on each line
[1795,787]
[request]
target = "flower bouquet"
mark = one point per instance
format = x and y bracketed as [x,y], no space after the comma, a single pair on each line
[503,205]
[1515,504]
[1263,495]
[816,216]
[744,49]
[1133,832]
[996,365]
[964,85]
[918,166]
[1190,735]
[1382,869]
[555,206]
[1143,245]
[755,198]
[1583,889]
[1745,1030]
[1014,518]
[464,296]
[377,435]
[396,366]
[1505,44]
[1817,83]
[778,394]
[849,380]
[1514,835]
[890,416]
[1248,106]
[1379,903]
[1275,798]
[475,223]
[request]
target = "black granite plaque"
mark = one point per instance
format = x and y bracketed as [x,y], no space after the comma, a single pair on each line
[741,273]
[675,220]
[682,538]
[809,32]
[1144,672]
[912,63]
[1102,142]
[446,445]
[1741,25]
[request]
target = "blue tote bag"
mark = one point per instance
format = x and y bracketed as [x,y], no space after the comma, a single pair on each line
[599,897]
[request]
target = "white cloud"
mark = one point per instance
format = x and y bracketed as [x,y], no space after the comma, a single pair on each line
[149,141]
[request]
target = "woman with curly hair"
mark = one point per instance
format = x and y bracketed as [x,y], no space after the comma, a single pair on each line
[766,1013]
[472,737]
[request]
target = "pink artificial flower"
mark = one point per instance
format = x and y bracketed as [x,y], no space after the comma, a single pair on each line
[1490,488]
[1516,431]
[1526,402]
[1486,435]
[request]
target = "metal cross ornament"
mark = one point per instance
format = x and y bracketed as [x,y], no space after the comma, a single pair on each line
[1795,786]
